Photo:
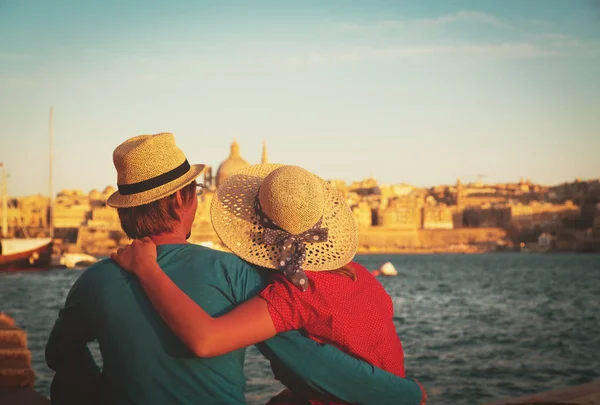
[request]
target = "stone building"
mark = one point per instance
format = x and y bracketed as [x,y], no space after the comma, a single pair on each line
[541,214]
[396,190]
[202,229]
[108,191]
[232,164]
[339,185]
[71,209]
[203,212]
[363,214]
[96,197]
[98,241]
[486,216]
[459,193]
[367,186]
[29,213]
[401,213]
[104,217]
[436,215]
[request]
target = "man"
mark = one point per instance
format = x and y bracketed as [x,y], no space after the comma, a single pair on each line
[144,363]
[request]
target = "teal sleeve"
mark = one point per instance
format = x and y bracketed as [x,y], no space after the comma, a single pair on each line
[308,365]
[67,344]
[246,280]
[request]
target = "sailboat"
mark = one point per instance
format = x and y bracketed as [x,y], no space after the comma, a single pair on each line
[18,254]
[21,253]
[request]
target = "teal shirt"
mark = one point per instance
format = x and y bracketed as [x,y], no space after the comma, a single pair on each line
[145,363]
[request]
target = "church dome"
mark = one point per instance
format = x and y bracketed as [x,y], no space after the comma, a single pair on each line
[95,195]
[232,164]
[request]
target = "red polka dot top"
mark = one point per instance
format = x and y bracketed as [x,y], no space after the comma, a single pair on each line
[353,315]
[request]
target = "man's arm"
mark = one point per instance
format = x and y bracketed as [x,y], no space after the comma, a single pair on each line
[67,345]
[328,370]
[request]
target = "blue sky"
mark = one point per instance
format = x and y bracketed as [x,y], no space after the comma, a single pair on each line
[417,92]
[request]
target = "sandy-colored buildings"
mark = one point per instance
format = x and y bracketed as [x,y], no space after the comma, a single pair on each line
[84,222]
[27,213]
[436,215]
[363,214]
[396,190]
[541,214]
[71,209]
[104,217]
[232,164]
[401,213]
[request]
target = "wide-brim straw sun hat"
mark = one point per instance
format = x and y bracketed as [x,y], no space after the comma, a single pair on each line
[291,200]
[150,167]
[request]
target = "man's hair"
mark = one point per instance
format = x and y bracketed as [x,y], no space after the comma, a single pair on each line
[156,217]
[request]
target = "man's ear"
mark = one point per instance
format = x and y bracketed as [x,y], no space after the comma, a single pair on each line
[179,199]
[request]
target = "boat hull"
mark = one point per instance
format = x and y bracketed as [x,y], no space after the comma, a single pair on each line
[33,259]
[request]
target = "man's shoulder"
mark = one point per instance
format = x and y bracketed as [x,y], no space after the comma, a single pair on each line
[103,266]
[100,271]
[218,257]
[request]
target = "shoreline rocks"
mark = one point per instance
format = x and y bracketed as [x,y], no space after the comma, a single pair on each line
[15,358]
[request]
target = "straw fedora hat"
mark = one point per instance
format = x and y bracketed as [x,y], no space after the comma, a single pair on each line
[290,199]
[150,167]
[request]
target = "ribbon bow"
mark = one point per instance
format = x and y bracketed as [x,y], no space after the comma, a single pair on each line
[293,251]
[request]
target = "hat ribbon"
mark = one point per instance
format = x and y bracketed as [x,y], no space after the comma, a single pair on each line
[293,250]
[154,182]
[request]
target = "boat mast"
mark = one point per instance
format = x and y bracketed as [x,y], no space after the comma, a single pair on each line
[4,202]
[51,174]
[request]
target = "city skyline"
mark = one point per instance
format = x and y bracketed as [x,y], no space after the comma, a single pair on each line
[404,93]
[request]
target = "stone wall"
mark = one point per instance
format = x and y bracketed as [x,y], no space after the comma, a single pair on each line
[390,240]
[15,358]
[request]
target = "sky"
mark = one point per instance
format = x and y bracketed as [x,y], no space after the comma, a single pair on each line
[417,92]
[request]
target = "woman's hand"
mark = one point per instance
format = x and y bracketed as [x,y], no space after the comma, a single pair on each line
[134,258]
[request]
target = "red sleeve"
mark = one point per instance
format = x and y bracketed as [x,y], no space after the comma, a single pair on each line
[287,304]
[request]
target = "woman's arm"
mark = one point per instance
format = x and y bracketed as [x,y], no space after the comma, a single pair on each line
[204,335]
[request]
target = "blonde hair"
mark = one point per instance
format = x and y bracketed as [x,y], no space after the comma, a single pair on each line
[345,271]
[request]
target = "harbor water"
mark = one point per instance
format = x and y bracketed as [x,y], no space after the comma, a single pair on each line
[475,328]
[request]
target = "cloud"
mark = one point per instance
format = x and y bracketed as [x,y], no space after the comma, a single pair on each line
[460,34]
[472,17]
[554,36]
[506,50]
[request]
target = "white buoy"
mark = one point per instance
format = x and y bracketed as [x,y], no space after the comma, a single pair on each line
[388,269]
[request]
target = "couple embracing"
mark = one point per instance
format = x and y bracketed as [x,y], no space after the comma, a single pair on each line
[173,319]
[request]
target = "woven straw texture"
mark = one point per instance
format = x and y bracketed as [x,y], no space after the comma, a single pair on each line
[145,157]
[293,202]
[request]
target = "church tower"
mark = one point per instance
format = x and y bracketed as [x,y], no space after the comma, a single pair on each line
[264,159]
[459,192]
